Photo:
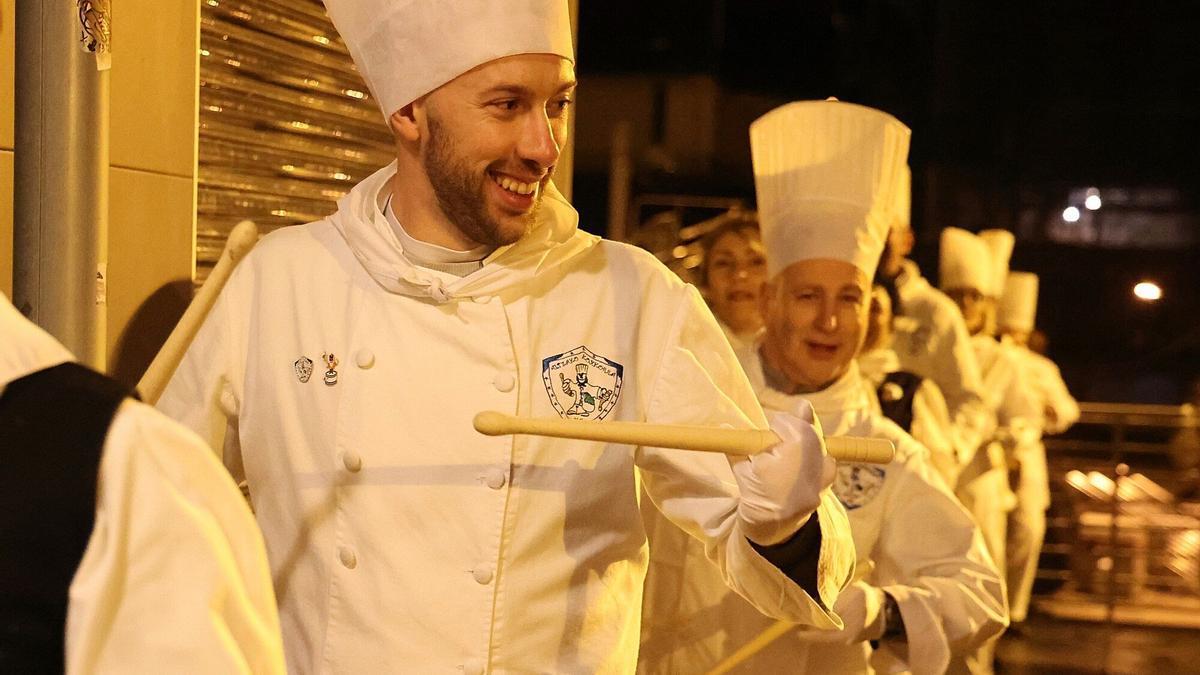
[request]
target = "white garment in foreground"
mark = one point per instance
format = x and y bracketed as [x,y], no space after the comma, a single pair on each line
[174,578]
[914,540]
[403,541]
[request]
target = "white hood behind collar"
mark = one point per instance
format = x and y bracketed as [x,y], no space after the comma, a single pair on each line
[553,240]
[25,348]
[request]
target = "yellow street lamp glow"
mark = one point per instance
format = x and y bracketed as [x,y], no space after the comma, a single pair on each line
[1148,291]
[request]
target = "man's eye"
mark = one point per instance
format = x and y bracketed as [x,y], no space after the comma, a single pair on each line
[508,105]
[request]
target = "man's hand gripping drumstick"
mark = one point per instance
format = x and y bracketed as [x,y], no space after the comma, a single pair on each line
[242,238]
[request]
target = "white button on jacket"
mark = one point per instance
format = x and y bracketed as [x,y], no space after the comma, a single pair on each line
[496,477]
[364,358]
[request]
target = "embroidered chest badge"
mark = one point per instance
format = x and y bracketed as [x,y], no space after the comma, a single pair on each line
[857,484]
[582,384]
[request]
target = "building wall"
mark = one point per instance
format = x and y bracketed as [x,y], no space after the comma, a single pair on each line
[152,204]
[152,207]
[7,48]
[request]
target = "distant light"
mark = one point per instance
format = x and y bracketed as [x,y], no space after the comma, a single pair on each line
[321,39]
[1148,291]
[1071,214]
[354,93]
[679,252]
[1092,202]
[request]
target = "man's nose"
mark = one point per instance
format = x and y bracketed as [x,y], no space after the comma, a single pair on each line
[538,143]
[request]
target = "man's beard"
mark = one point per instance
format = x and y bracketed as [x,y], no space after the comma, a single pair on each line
[460,194]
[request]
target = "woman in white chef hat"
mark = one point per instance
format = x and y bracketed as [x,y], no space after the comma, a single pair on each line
[926,590]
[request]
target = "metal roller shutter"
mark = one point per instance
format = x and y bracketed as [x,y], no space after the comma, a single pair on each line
[286,124]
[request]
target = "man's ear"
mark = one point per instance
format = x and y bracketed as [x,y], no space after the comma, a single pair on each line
[404,123]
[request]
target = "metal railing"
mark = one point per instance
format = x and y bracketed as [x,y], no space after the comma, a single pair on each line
[1123,532]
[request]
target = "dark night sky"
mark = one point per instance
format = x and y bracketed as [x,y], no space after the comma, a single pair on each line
[1011,105]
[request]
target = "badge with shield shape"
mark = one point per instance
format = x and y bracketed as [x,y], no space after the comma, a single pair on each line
[304,368]
[582,384]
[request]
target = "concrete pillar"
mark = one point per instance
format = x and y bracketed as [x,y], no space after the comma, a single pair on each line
[60,199]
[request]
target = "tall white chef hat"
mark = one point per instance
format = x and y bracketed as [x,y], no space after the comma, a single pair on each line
[405,49]
[824,172]
[902,200]
[965,262]
[1000,243]
[1018,307]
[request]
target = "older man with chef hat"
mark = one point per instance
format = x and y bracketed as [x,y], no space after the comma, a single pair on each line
[345,360]
[926,590]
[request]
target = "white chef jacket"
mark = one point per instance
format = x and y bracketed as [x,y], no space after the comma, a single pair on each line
[401,539]
[914,540]
[174,577]
[932,341]
[932,426]
[1049,386]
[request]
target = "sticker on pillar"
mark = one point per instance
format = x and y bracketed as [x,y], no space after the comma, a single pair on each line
[857,484]
[582,384]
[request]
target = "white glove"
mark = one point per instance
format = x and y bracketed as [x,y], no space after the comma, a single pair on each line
[781,486]
[861,607]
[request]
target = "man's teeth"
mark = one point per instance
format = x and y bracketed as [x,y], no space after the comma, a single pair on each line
[515,186]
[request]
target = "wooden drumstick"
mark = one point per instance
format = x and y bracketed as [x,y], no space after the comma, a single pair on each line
[242,238]
[704,439]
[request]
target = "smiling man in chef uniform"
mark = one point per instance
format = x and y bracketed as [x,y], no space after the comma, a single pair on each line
[926,589]
[345,359]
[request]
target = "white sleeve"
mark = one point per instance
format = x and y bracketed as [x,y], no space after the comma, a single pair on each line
[700,382]
[175,576]
[204,394]
[933,428]
[956,372]
[1057,397]
[933,561]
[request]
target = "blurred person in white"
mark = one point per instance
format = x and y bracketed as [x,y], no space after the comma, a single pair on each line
[125,547]
[926,593]
[453,281]
[929,335]
[913,402]
[1027,523]
[731,276]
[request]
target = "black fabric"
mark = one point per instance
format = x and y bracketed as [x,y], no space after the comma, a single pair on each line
[53,425]
[899,409]
[799,557]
